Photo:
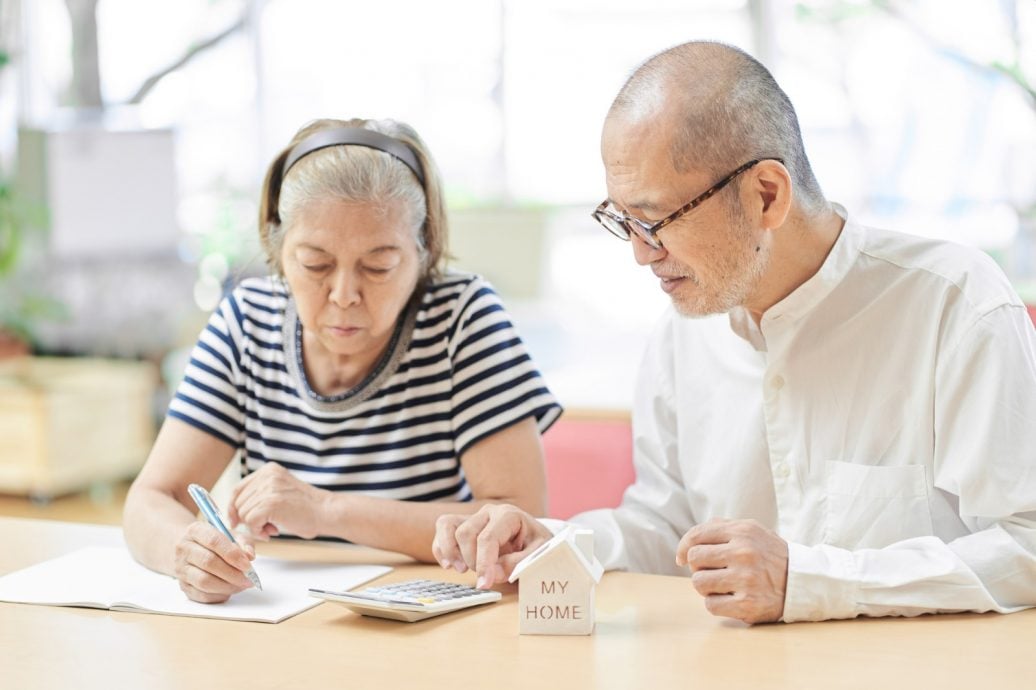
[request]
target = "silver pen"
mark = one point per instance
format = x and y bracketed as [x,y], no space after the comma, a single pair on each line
[211,512]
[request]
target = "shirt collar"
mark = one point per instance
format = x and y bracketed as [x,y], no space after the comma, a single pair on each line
[806,296]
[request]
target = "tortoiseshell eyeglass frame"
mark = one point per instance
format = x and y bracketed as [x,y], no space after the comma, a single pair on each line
[622,224]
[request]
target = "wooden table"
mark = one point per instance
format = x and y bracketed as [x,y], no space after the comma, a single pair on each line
[652,632]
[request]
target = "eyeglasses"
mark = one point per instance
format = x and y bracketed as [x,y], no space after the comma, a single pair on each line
[622,224]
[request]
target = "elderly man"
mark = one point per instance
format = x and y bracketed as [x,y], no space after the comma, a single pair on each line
[853,434]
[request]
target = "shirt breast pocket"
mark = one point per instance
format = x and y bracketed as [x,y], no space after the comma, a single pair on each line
[874,506]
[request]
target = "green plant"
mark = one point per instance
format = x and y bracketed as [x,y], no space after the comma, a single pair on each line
[22,307]
[10,238]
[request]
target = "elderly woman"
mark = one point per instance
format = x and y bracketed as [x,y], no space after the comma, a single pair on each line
[366,390]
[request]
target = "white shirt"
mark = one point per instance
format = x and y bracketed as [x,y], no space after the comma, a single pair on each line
[881,419]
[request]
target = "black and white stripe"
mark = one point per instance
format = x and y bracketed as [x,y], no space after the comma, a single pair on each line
[458,373]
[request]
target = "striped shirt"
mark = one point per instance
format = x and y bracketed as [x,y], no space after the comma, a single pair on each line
[454,373]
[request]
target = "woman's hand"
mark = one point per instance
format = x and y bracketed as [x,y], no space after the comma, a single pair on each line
[210,567]
[491,542]
[273,500]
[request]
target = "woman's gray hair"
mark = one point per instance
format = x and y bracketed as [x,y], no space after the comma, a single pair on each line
[356,174]
[731,110]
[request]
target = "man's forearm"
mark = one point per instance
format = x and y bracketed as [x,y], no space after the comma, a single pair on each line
[984,571]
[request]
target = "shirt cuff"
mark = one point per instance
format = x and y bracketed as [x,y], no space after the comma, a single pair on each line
[553,524]
[822,584]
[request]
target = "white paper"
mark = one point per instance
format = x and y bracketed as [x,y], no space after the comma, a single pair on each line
[109,578]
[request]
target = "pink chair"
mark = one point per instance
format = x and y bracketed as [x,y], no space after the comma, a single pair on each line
[589,461]
[1032,314]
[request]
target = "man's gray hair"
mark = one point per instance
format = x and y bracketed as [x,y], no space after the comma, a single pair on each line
[730,110]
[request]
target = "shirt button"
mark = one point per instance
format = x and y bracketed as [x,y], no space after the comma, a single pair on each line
[777,382]
[781,469]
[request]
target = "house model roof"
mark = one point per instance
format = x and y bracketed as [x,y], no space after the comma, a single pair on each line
[578,542]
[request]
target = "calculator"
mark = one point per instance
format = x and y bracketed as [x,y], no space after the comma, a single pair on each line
[410,601]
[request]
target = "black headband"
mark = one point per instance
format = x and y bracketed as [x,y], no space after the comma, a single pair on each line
[354,136]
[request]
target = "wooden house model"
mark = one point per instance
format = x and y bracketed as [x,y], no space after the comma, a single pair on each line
[556,585]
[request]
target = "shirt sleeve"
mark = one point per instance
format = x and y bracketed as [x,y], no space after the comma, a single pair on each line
[642,533]
[985,436]
[208,397]
[494,381]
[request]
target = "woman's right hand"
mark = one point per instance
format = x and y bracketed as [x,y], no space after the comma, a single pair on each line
[210,567]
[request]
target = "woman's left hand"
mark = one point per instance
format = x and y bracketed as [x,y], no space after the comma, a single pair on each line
[272,500]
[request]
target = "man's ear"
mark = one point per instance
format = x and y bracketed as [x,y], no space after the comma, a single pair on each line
[771,190]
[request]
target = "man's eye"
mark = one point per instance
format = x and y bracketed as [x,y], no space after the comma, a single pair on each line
[315,268]
[376,271]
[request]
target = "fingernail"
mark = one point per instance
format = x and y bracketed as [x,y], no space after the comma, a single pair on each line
[460,566]
[445,564]
[481,583]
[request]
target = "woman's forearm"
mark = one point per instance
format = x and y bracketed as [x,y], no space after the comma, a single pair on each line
[153,522]
[402,526]
[158,508]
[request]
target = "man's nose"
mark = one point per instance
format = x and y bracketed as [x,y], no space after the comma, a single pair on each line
[644,253]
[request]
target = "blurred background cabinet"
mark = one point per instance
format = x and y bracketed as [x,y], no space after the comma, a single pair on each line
[67,424]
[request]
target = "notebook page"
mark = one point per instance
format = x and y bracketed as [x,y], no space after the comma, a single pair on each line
[93,576]
[108,577]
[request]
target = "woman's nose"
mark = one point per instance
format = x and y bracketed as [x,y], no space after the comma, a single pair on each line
[344,289]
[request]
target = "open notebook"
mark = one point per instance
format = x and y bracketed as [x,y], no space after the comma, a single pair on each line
[109,578]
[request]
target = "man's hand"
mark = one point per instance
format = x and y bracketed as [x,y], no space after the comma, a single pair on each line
[739,566]
[490,542]
[272,499]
